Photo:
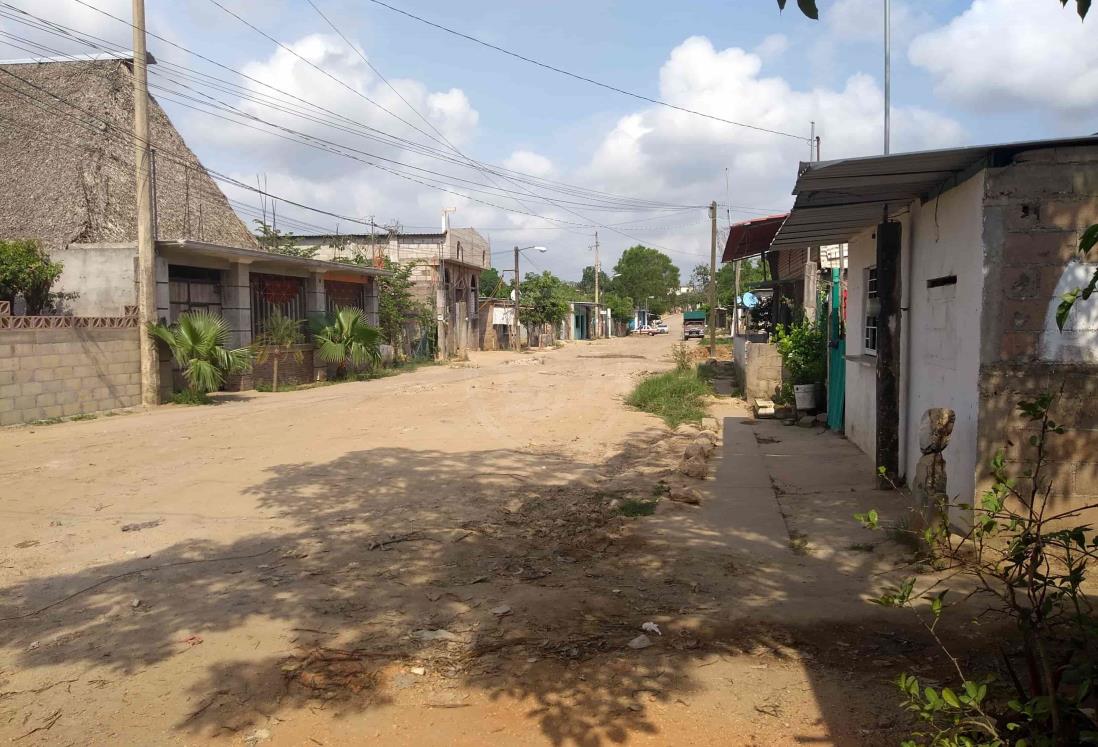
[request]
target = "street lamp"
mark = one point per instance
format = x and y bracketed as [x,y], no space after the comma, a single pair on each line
[518,251]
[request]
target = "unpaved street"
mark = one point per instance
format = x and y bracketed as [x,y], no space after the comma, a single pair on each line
[432,558]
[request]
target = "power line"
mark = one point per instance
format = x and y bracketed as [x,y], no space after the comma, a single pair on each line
[583,78]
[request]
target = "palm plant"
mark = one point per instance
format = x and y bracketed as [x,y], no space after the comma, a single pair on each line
[347,338]
[197,342]
[280,334]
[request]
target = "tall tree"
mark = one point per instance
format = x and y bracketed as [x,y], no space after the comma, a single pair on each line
[543,299]
[492,284]
[586,284]
[643,272]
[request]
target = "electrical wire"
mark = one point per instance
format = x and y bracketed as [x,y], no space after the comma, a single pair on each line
[583,78]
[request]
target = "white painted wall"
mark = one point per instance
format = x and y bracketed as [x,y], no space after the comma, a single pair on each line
[861,370]
[102,275]
[944,323]
[1078,343]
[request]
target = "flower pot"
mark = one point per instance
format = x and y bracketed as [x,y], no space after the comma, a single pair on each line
[805,396]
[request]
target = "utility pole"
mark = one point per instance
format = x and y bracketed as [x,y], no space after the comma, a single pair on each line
[598,270]
[736,313]
[713,281]
[516,342]
[146,241]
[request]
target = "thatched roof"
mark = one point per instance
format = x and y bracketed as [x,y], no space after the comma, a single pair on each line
[66,163]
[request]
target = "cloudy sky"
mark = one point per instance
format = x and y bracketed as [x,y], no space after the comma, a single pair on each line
[528,156]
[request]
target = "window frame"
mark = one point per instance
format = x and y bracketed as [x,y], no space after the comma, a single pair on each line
[870,293]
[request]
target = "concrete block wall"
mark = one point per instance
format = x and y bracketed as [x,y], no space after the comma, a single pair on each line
[53,373]
[762,370]
[1035,211]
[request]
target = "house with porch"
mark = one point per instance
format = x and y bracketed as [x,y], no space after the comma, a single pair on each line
[68,182]
[446,274]
[957,261]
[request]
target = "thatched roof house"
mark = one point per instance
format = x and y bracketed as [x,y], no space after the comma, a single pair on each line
[67,161]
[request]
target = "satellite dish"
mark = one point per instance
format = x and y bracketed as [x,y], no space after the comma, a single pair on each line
[749,300]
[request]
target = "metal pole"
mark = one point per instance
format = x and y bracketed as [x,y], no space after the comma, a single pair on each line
[146,243]
[713,281]
[517,344]
[888,74]
[598,269]
[736,316]
[812,142]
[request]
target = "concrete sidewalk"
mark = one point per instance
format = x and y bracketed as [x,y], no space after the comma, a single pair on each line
[782,502]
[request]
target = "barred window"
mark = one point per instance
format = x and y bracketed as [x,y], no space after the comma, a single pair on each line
[872,308]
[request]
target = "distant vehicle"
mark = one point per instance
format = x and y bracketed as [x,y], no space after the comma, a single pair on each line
[693,324]
[645,329]
[661,328]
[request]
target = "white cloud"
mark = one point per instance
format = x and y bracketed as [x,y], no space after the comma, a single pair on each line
[772,46]
[529,162]
[678,157]
[1002,54]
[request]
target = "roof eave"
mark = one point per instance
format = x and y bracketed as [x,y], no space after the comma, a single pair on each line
[253,255]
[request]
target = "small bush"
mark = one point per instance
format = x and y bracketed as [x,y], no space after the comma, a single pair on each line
[191,397]
[682,357]
[675,396]
[634,508]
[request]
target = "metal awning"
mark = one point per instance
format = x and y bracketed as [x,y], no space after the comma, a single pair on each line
[751,238]
[838,199]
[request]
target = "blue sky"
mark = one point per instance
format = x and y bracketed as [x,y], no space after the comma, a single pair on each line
[965,71]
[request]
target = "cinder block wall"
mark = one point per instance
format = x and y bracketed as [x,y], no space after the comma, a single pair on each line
[1035,210]
[762,368]
[52,373]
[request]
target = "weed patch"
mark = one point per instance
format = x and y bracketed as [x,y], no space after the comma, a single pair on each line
[675,396]
[634,508]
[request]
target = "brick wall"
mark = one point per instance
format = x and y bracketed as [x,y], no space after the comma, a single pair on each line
[1035,210]
[50,373]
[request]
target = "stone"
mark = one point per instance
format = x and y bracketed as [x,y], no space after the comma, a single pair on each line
[502,610]
[807,421]
[683,494]
[704,444]
[695,450]
[686,430]
[696,468]
[709,436]
[641,641]
[935,428]
[821,418]
[711,424]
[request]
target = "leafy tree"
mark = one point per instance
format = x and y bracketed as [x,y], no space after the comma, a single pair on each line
[644,272]
[347,338]
[543,299]
[280,334]
[492,284]
[397,303]
[197,342]
[26,270]
[1087,242]
[808,7]
[281,243]
[621,307]
[586,285]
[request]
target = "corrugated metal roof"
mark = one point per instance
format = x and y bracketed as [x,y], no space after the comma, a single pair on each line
[838,199]
[752,237]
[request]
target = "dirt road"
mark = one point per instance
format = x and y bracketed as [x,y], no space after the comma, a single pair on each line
[433,558]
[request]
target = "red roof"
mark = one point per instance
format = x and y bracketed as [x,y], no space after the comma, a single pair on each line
[752,237]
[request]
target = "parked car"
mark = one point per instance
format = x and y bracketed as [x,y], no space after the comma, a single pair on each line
[661,328]
[644,329]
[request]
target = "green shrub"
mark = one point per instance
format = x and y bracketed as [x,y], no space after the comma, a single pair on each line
[675,396]
[803,348]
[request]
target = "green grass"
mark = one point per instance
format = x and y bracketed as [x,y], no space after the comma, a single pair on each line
[720,341]
[675,396]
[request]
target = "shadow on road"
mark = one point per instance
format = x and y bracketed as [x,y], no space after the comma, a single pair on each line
[510,574]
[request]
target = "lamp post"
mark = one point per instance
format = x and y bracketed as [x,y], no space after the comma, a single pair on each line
[542,249]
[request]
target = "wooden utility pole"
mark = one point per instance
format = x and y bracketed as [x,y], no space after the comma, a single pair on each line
[146,240]
[598,270]
[517,343]
[713,281]
[736,312]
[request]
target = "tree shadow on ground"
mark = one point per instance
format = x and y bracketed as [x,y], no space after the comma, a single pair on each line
[512,574]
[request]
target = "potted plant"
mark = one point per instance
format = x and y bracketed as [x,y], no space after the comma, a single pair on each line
[803,348]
